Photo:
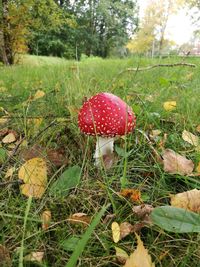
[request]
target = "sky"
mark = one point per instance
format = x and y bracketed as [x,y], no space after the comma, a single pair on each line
[179,29]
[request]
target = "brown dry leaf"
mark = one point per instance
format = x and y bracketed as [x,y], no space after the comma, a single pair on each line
[133,194]
[115,232]
[190,138]
[143,212]
[109,160]
[46,219]
[189,200]
[140,257]
[198,128]
[125,229]
[175,163]
[35,256]
[5,259]
[36,151]
[169,105]
[34,175]
[80,217]
[57,157]
[9,138]
[121,255]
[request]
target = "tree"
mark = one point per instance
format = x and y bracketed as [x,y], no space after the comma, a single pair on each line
[151,33]
[19,19]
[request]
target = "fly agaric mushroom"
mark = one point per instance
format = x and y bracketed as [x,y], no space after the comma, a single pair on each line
[105,116]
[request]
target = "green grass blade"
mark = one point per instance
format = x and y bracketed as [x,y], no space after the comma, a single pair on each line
[82,243]
[21,252]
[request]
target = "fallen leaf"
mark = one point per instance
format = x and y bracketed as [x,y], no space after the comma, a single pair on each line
[190,138]
[175,163]
[80,218]
[198,128]
[5,259]
[125,229]
[133,194]
[143,212]
[169,105]
[36,151]
[38,94]
[3,132]
[9,172]
[189,200]
[9,138]
[34,175]
[121,255]
[35,256]
[3,120]
[46,219]
[109,160]
[115,232]
[140,257]
[57,157]
[69,179]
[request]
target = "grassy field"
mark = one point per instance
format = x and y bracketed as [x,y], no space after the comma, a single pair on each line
[66,84]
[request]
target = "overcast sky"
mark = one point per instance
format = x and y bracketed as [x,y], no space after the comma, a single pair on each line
[179,28]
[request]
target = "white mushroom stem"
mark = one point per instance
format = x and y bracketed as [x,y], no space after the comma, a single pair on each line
[104,146]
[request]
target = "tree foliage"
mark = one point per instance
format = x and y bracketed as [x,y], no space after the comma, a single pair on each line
[151,34]
[65,28]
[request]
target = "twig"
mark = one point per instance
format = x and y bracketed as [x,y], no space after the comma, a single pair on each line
[158,65]
[11,182]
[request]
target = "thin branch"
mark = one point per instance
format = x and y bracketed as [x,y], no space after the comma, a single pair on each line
[158,65]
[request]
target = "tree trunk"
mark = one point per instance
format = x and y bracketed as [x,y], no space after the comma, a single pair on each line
[6,52]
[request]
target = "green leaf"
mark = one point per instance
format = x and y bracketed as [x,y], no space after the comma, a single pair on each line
[122,152]
[70,243]
[3,155]
[68,180]
[176,220]
[83,241]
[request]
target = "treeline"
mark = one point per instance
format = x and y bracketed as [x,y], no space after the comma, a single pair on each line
[65,28]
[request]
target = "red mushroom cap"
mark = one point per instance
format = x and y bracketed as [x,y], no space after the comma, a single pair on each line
[106,115]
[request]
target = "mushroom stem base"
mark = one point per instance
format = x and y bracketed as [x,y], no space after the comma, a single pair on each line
[104,146]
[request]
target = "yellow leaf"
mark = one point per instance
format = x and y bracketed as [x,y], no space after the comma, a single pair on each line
[190,138]
[9,138]
[140,257]
[175,163]
[3,119]
[121,255]
[38,94]
[189,200]
[169,105]
[34,174]
[115,232]
[35,256]
[46,219]
[198,128]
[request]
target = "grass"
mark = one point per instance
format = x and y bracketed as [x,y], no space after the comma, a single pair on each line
[66,83]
